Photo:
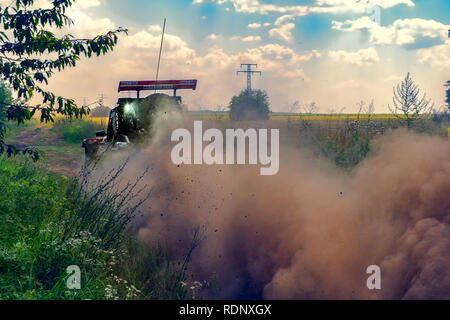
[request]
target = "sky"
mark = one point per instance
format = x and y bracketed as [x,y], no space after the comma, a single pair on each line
[332,52]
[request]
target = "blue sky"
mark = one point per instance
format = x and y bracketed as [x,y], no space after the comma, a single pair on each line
[312,31]
[327,51]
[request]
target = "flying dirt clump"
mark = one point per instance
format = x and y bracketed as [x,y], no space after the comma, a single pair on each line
[311,231]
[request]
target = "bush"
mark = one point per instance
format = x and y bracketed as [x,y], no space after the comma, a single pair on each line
[75,130]
[250,105]
[346,143]
[50,223]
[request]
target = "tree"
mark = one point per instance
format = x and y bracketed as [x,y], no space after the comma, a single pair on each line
[30,53]
[366,109]
[294,107]
[407,106]
[6,96]
[100,111]
[447,94]
[250,105]
[311,108]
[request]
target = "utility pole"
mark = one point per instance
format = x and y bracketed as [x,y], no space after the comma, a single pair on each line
[101,100]
[249,73]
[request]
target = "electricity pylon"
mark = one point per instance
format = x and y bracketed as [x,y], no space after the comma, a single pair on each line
[249,73]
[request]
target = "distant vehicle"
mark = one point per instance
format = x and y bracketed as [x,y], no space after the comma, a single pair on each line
[130,122]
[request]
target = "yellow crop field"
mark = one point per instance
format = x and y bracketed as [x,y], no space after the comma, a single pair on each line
[219,116]
[102,121]
[297,117]
[331,117]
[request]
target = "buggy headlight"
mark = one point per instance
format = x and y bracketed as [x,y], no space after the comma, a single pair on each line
[129,108]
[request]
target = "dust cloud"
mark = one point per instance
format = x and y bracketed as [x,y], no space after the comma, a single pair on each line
[311,231]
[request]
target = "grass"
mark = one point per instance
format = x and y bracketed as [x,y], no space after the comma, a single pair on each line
[70,130]
[75,130]
[50,223]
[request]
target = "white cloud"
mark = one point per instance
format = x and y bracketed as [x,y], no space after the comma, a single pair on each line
[246,39]
[438,56]
[283,19]
[155,28]
[87,25]
[407,31]
[251,38]
[403,32]
[360,57]
[283,32]
[255,25]
[212,36]
[85,4]
[254,6]
[320,6]
[279,63]
[278,52]
[354,25]
[274,57]
[283,28]
[356,5]
[45,4]
[174,47]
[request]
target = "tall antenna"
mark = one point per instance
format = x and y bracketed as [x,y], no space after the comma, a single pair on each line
[249,73]
[160,50]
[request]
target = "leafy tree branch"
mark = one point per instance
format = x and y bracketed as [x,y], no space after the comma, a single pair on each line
[30,54]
